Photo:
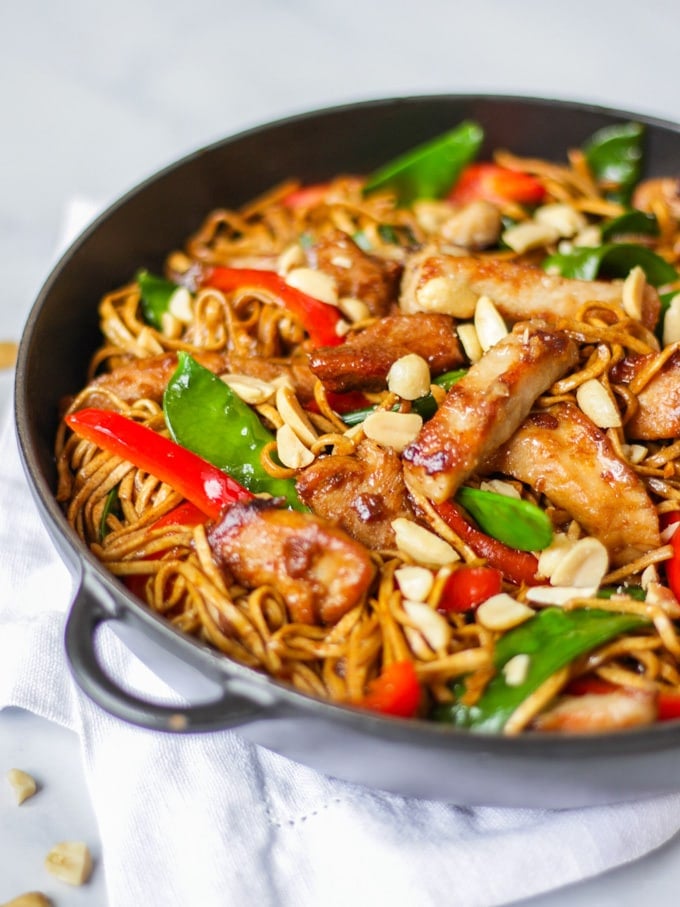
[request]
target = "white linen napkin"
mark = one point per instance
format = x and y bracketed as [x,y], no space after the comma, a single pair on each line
[214,820]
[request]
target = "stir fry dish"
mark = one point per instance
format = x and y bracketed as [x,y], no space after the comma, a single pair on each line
[409,441]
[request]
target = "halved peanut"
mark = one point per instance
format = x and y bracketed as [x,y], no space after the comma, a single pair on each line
[291,257]
[469,340]
[171,327]
[30,899]
[292,452]
[251,390]
[529,235]
[70,862]
[583,564]
[502,612]
[181,305]
[314,283]
[432,213]
[353,309]
[433,631]
[8,353]
[498,486]
[415,583]
[633,292]
[22,783]
[567,221]
[635,453]
[589,236]
[515,670]
[474,226]
[550,557]
[558,595]
[671,321]
[291,412]
[409,377]
[596,403]
[422,545]
[489,323]
[389,429]
[448,295]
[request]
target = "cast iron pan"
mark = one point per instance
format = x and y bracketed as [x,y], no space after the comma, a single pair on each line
[409,757]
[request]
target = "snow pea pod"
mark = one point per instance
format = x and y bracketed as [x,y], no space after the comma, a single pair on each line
[611,260]
[614,155]
[204,415]
[514,522]
[430,169]
[631,223]
[552,640]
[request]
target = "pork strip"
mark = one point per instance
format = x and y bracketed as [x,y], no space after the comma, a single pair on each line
[319,570]
[373,280]
[363,361]
[519,291]
[362,493]
[658,415]
[144,379]
[482,410]
[562,454]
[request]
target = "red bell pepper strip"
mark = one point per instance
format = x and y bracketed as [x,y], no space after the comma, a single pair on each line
[516,566]
[496,184]
[589,684]
[468,587]
[318,318]
[673,564]
[185,514]
[306,196]
[207,487]
[668,705]
[395,692]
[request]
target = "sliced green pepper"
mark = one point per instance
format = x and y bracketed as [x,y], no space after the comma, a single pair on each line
[614,155]
[632,223]
[611,260]
[155,296]
[429,170]
[552,639]
[514,522]
[425,406]
[204,415]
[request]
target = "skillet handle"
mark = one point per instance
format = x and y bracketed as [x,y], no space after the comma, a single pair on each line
[87,614]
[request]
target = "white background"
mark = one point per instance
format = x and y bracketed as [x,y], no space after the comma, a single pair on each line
[95,97]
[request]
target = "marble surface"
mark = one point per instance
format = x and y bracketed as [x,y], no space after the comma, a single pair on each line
[96,97]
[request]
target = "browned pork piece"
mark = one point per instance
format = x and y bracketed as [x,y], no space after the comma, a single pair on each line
[363,361]
[658,415]
[357,274]
[597,713]
[362,493]
[484,408]
[562,454]
[665,190]
[318,569]
[433,282]
[144,379]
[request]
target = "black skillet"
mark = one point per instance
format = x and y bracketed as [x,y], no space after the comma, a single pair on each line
[408,757]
